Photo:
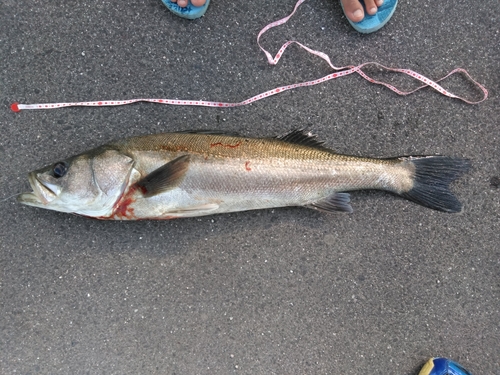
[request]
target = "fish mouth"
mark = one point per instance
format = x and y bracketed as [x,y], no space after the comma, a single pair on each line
[41,194]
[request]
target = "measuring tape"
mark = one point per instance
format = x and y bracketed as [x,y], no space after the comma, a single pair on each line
[339,72]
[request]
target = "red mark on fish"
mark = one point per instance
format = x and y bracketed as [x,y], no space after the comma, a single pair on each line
[247,166]
[225,145]
[122,209]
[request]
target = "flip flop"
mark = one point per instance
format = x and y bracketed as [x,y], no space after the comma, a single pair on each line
[369,24]
[442,366]
[190,12]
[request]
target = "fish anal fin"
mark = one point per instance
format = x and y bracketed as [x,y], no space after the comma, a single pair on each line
[302,137]
[164,178]
[337,202]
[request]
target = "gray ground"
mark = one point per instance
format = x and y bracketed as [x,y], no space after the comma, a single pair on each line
[284,291]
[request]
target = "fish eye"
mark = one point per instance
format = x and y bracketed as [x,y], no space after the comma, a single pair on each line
[59,169]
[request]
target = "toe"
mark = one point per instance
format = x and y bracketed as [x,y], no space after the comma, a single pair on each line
[198,3]
[371,7]
[182,3]
[353,10]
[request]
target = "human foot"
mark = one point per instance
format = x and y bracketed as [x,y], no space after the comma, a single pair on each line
[190,9]
[354,10]
[184,3]
[367,16]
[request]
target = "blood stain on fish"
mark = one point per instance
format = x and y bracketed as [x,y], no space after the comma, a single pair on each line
[225,145]
[122,209]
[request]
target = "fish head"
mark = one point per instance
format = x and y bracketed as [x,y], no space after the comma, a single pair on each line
[88,184]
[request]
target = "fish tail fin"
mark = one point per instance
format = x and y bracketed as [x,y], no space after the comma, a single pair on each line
[431,179]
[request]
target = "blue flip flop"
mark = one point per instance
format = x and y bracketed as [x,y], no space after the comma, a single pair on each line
[369,24]
[190,12]
[442,366]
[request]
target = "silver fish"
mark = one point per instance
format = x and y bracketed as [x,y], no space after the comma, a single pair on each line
[188,174]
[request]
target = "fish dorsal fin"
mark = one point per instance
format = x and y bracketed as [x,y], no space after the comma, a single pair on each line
[164,178]
[302,137]
[333,203]
[210,132]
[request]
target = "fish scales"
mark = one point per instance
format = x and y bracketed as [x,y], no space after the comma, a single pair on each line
[224,154]
[223,165]
[230,146]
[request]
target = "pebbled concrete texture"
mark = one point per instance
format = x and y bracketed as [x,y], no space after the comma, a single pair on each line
[283,291]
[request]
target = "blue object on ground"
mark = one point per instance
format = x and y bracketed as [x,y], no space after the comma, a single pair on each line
[369,24]
[442,366]
[190,12]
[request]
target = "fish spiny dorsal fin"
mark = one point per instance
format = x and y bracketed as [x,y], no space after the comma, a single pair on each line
[164,178]
[302,137]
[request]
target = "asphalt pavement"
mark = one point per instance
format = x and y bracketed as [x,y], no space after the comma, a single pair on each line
[282,291]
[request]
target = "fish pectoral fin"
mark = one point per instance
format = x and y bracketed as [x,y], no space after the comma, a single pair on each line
[333,203]
[202,209]
[164,178]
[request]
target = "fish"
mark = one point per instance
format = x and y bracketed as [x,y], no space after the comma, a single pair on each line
[189,174]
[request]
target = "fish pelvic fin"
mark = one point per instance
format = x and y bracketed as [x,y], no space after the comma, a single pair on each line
[164,178]
[432,177]
[191,211]
[337,202]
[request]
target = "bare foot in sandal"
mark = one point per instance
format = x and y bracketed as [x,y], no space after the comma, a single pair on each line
[354,10]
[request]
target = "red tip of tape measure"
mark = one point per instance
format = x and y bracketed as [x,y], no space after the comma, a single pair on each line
[15,107]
